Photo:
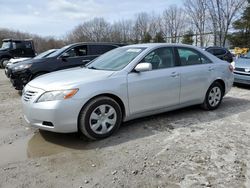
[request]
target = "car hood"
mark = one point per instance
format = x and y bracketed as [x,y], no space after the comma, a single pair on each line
[242,63]
[15,60]
[29,61]
[15,64]
[68,79]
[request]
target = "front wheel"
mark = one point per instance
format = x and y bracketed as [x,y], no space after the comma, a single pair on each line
[2,62]
[100,118]
[213,97]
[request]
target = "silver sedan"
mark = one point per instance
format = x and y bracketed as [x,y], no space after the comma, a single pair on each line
[124,84]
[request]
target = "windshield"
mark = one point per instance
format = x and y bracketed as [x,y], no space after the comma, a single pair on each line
[58,52]
[116,59]
[6,45]
[45,54]
[248,55]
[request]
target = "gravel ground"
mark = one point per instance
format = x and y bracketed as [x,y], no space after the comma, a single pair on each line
[184,148]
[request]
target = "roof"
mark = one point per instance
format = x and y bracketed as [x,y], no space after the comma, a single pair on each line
[152,45]
[16,40]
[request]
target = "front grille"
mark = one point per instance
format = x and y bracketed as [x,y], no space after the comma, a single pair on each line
[240,69]
[28,95]
[242,73]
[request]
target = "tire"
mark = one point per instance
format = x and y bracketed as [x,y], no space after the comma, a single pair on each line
[100,118]
[214,97]
[1,62]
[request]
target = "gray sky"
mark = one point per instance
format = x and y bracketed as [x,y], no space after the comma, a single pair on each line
[57,17]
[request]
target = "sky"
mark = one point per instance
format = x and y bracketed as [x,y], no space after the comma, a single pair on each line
[57,17]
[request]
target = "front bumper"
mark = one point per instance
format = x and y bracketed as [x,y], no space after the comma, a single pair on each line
[7,72]
[55,116]
[242,78]
[19,79]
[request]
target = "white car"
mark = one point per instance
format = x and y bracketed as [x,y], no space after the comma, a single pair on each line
[124,84]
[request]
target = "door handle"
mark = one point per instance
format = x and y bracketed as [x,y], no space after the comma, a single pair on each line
[174,74]
[85,60]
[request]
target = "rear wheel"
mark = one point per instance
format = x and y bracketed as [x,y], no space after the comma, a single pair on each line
[213,97]
[100,118]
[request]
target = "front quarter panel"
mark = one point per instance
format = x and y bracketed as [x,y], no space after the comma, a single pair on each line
[114,85]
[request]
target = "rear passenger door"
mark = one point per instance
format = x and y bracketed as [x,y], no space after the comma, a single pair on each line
[196,73]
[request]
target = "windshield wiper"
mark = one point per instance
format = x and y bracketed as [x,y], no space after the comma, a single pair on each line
[94,68]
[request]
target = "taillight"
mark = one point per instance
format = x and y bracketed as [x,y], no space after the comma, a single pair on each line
[231,68]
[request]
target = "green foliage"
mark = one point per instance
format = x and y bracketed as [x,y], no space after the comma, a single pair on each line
[159,37]
[147,38]
[188,38]
[241,38]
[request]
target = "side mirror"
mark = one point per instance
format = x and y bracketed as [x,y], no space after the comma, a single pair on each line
[143,67]
[65,55]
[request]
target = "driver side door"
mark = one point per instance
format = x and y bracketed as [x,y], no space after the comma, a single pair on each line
[158,88]
[76,56]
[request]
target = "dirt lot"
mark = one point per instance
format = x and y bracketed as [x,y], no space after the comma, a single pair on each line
[184,148]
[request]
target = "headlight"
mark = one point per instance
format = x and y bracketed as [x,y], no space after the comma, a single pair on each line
[233,64]
[22,67]
[57,95]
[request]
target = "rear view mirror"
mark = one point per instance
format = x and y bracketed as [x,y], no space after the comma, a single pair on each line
[143,67]
[65,55]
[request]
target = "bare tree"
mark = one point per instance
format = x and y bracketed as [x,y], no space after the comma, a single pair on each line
[141,26]
[197,11]
[122,31]
[173,22]
[222,14]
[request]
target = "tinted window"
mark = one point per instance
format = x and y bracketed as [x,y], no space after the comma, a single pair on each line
[27,44]
[160,58]
[18,45]
[100,49]
[219,52]
[192,57]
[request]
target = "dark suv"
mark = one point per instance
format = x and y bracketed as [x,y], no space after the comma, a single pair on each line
[221,53]
[67,57]
[16,48]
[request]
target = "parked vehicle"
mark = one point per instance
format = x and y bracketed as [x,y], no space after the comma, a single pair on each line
[67,57]
[16,48]
[12,62]
[242,70]
[124,84]
[222,53]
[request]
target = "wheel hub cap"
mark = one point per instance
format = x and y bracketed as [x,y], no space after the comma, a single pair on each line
[214,96]
[103,119]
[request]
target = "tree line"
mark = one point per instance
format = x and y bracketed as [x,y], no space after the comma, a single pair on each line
[197,22]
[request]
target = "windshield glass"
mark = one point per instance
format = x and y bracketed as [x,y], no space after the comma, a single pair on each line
[248,55]
[6,45]
[45,54]
[58,52]
[116,59]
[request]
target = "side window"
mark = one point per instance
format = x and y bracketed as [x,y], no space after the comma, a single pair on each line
[17,45]
[192,57]
[219,52]
[100,49]
[160,58]
[77,51]
[211,51]
[27,44]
